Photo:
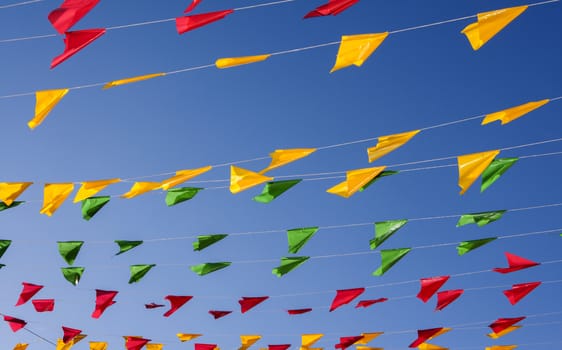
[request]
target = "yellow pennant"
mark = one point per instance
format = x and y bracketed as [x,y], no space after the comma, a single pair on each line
[441,332]
[183,337]
[472,165]
[427,346]
[54,195]
[132,80]
[91,188]
[98,345]
[356,49]
[501,347]
[282,157]
[389,143]
[62,346]
[368,337]
[248,340]
[78,338]
[140,188]
[489,24]
[10,191]
[45,101]
[359,347]
[504,332]
[510,114]
[21,346]
[154,346]
[183,176]
[238,61]
[355,179]
[308,340]
[242,179]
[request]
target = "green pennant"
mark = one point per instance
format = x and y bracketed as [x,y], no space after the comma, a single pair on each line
[274,189]
[495,170]
[378,177]
[206,240]
[389,258]
[298,237]
[385,229]
[288,264]
[4,245]
[72,274]
[206,268]
[177,195]
[481,219]
[467,246]
[138,272]
[90,206]
[69,250]
[125,246]
[4,206]
[1,266]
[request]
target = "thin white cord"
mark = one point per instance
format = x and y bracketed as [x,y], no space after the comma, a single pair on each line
[29,2]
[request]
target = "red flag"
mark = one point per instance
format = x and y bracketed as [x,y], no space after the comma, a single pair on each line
[187,23]
[15,323]
[503,323]
[333,8]
[176,301]
[218,314]
[69,334]
[69,13]
[29,290]
[519,291]
[247,303]
[446,297]
[367,303]
[205,346]
[135,343]
[346,342]
[424,335]
[278,347]
[43,305]
[345,296]
[153,305]
[515,263]
[430,286]
[191,6]
[104,299]
[298,311]
[76,41]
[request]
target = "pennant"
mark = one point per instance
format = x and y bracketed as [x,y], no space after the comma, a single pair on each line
[248,303]
[495,170]
[385,229]
[359,347]
[377,178]
[183,337]
[489,24]
[222,63]
[98,345]
[218,314]
[187,23]
[248,340]
[278,347]
[92,205]
[69,250]
[281,157]
[205,347]
[4,206]
[4,245]
[45,101]
[154,346]
[346,342]
[515,263]
[390,257]
[153,306]
[356,49]
[21,346]
[368,337]
[15,323]
[510,114]
[62,346]
[78,338]
[104,299]
[176,301]
[76,41]
[178,195]
[345,296]
[504,332]
[183,176]
[355,179]
[501,347]
[426,346]
[69,13]
[502,324]
[299,311]
[308,340]
[141,188]
[274,189]
[428,334]
[10,191]
[519,291]
[446,297]
[72,274]
[333,7]
[135,343]
[298,237]
[430,286]
[389,143]
[192,6]
[206,241]
[472,165]
[69,334]
[43,305]
[242,179]
[206,268]
[367,303]
[467,246]
[29,290]
[54,195]
[138,272]
[481,219]
[125,246]
[131,80]
[288,264]
[91,188]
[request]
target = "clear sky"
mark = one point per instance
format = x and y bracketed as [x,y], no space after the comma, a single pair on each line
[415,79]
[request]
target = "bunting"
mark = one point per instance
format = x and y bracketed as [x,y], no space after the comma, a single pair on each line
[10,191]
[427,346]
[45,101]
[206,268]
[183,176]
[367,303]
[72,274]
[206,241]
[15,323]
[519,291]
[298,237]
[139,271]
[308,340]
[192,6]
[43,305]
[281,157]
[91,188]
[389,258]
[242,179]
[389,143]
[125,246]
[346,342]
[62,346]
[104,299]
[513,113]
[29,290]
[274,189]
[447,297]
[199,346]
[176,301]
[76,41]
[345,296]
[69,13]
[4,206]
[495,170]
[467,246]
[288,264]
[515,263]
[385,229]
[219,314]
[178,195]
[356,49]
[355,179]
[502,324]
[183,337]
[333,7]
[135,343]
[54,194]
[248,303]
[501,347]
[187,23]
[247,341]
[131,80]
[4,245]
[69,334]
[98,345]
[472,165]
[91,206]
[299,311]
[430,286]
[229,62]
[69,250]
[385,173]
[368,337]
[139,188]
[154,346]
[481,219]
[503,332]
[279,347]
[153,306]
[21,346]
[428,334]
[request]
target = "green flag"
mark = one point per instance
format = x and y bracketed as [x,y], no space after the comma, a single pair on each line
[385,229]
[378,177]
[72,274]
[390,257]
[4,206]
[69,250]
[298,237]
[138,272]
[177,195]
[481,219]
[4,245]
[1,266]
[206,240]
[203,269]
[90,206]
[274,189]
[467,246]
[288,264]
[125,246]
[495,170]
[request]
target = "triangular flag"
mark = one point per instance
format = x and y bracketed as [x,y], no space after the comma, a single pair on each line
[69,250]
[333,7]
[274,189]
[69,334]
[515,263]
[308,340]
[176,301]
[446,297]
[15,323]
[238,61]
[4,206]
[199,346]
[153,306]
[430,286]
[368,337]
[248,303]
[218,314]
[345,296]
[355,180]
[288,264]
[360,347]
[502,324]
[299,311]
[346,342]
[21,346]
[367,303]
[69,13]
[28,291]
[104,299]
[495,170]
[76,41]
[489,24]
[192,6]
[91,188]
[154,346]
[472,165]
[10,191]
[45,101]
[282,157]
[205,241]
[4,245]
[43,305]
[138,272]
[390,257]
[206,268]
[183,337]
[389,143]
[510,114]
[298,237]
[503,332]
[187,23]
[242,179]
[279,347]
[427,346]
[247,341]
[91,206]
[501,347]
[377,178]
[385,229]
[183,176]
[356,49]
[131,80]
[135,343]
[481,219]
[79,338]
[519,291]
[72,274]
[178,195]
[428,334]
[64,346]
[54,195]
[139,188]
[125,246]
[467,246]
[98,345]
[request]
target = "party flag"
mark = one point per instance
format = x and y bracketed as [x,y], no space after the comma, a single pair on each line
[502,324]
[278,347]
[247,341]
[218,314]
[377,178]
[274,189]
[10,191]
[176,301]
[136,79]
[288,264]
[367,303]
[154,346]
[125,246]
[76,41]
[15,323]
[228,62]
[355,179]
[72,274]
[187,23]
[98,345]
[346,342]
[515,263]
[385,229]
[489,24]
[54,195]
[206,268]
[183,337]
[199,346]
[153,306]
[299,311]
[28,291]
[69,334]
[139,188]
[69,13]
[135,343]
[91,188]
[472,165]
[430,286]
[178,195]
[205,241]
[368,337]
[467,246]
[247,303]
[361,347]
[138,272]
[45,101]
[192,6]
[92,205]
[428,334]
[4,245]
[43,305]
[390,257]
[481,219]
[21,346]
[333,7]
[503,332]
[298,237]
[282,157]
[4,206]
[104,299]
[242,179]
[427,346]
[183,176]
[345,296]
[79,338]
[446,297]
[356,49]
[308,340]
[64,346]
[495,170]
[69,250]
[519,291]
[501,347]
[389,143]
[510,114]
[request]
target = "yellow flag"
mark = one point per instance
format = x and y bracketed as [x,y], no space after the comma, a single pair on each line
[501,347]
[355,49]
[238,61]
[308,340]
[248,340]
[441,332]
[489,24]
[282,157]
[426,346]
[242,179]
[504,332]
[368,337]
[389,143]
[154,346]
[355,179]
[78,338]
[183,176]
[510,114]
[45,101]
[10,191]
[21,346]
[140,188]
[183,337]
[91,188]
[132,80]
[54,195]
[359,347]
[98,345]
[62,346]
[472,165]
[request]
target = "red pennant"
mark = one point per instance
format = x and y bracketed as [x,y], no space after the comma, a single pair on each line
[29,290]
[278,347]
[367,303]
[346,342]
[76,41]
[135,343]
[176,301]
[104,299]
[218,314]
[503,323]
[153,305]
[515,263]
[345,296]
[187,23]
[424,335]
[44,305]
[446,297]
[333,8]
[430,286]
[298,311]
[519,291]
[69,334]
[247,303]
[205,346]
[69,13]
[15,323]
[191,6]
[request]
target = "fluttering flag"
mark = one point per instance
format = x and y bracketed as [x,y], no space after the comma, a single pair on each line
[125,246]
[510,114]
[79,338]
[502,324]
[345,296]
[205,241]
[274,189]
[389,257]
[248,303]
[346,342]
[43,305]
[139,271]
[281,157]
[21,346]
[299,311]
[4,245]
[45,101]
[278,347]
[176,301]
[10,191]
[199,346]
[298,237]
[4,206]
[69,334]
[288,264]
[446,297]
[98,345]
[427,346]
[472,165]
[515,263]
[501,347]
[504,332]
[154,346]
[135,343]
[69,250]
[228,62]
[178,195]
[356,49]
[187,23]
[495,170]
[368,337]
[131,80]
[153,306]
[428,334]
[218,314]
[308,340]
[467,246]
[481,219]
[72,274]
[430,286]
[377,178]
[91,188]
[206,268]
[389,143]
[367,303]
[69,13]
[385,229]
[62,346]
[54,195]
[333,7]
[183,176]
[76,41]
[140,188]
[104,299]
[519,291]
[242,179]
[192,6]
[247,341]
[15,323]
[91,206]
[489,24]
[355,180]
[183,337]
[28,291]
